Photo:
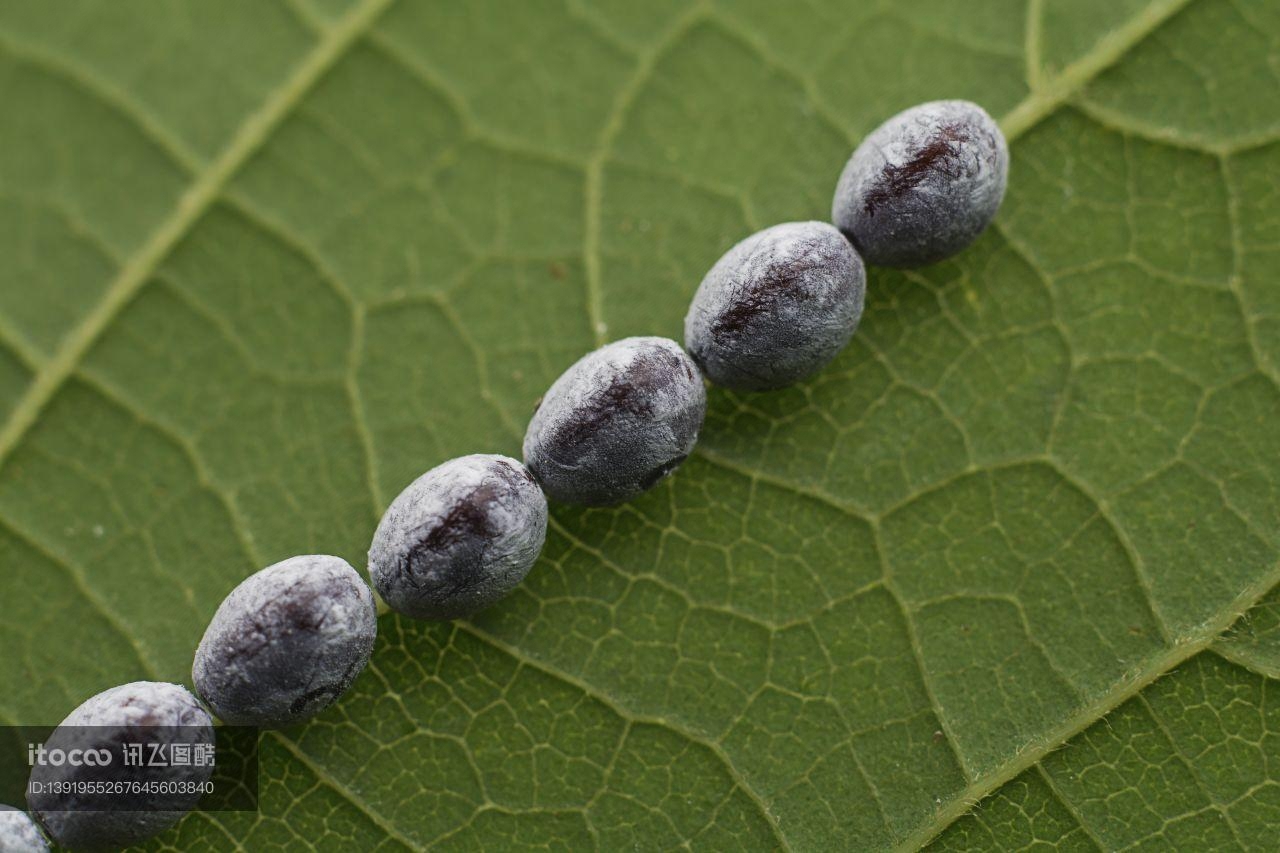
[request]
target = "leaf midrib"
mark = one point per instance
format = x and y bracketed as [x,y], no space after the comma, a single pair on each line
[256,130]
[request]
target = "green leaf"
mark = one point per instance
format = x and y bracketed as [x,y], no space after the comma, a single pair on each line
[1004,575]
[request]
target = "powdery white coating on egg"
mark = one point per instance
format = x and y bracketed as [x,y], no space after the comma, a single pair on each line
[147,711]
[777,307]
[616,422]
[923,185]
[287,642]
[459,538]
[19,833]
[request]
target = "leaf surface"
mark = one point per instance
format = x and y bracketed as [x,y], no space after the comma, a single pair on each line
[1002,576]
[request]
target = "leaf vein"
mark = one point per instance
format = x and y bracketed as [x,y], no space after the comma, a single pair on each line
[191,206]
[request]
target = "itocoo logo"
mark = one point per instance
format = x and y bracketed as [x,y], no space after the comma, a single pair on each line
[37,755]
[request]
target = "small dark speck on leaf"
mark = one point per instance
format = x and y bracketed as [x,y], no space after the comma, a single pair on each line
[557,270]
[938,737]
